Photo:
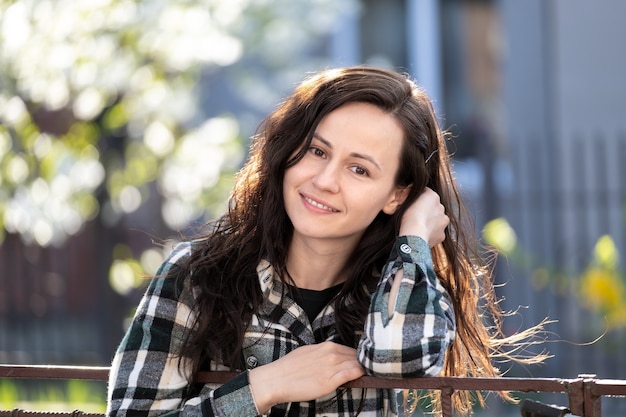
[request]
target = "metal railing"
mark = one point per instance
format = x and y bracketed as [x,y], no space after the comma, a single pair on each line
[584,393]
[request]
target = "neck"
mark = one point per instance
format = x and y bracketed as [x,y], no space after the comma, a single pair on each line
[317,266]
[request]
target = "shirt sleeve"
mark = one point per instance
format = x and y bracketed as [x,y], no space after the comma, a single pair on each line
[145,378]
[412,341]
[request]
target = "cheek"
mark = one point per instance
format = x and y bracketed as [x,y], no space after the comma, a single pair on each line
[288,176]
[291,180]
[371,201]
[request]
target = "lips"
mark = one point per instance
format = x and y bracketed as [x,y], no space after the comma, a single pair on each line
[319,205]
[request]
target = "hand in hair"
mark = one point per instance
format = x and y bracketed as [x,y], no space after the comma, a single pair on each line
[307,373]
[426,218]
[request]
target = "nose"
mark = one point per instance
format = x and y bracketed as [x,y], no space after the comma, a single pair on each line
[327,178]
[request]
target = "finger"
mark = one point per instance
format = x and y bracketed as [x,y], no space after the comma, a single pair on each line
[346,374]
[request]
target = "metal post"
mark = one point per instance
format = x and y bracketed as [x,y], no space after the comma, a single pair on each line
[592,402]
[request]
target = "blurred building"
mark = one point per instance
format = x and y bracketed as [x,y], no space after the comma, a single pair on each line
[564,99]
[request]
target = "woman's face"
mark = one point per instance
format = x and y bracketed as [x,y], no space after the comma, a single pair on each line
[346,177]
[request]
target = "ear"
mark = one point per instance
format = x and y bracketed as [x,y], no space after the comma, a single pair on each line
[397,198]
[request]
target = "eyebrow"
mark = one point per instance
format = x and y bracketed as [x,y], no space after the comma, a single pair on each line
[352,154]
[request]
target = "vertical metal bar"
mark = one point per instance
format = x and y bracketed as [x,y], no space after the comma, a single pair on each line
[576,397]
[446,401]
[593,402]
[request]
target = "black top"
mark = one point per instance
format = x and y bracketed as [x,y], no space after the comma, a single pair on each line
[313,301]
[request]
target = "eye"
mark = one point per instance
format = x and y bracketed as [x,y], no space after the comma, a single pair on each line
[359,170]
[317,151]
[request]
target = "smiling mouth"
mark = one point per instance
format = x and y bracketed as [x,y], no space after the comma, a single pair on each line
[319,205]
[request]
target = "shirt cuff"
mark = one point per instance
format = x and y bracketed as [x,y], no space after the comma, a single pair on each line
[234,398]
[411,249]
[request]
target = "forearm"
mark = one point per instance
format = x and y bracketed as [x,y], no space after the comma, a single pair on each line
[307,373]
[232,399]
[411,322]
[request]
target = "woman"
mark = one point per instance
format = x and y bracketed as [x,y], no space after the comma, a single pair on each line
[345,251]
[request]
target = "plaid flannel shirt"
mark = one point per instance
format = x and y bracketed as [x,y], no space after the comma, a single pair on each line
[145,379]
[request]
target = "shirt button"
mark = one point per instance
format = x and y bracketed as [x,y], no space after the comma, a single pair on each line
[252,362]
[405,248]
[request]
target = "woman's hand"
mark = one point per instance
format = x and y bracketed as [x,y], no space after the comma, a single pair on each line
[307,373]
[426,218]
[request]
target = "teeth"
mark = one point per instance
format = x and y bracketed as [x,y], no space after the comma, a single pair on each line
[318,205]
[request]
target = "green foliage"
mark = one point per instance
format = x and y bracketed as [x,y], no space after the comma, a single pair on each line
[603,284]
[95,97]
[99,105]
[8,393]
[601,287]
[88,396]
[101,113]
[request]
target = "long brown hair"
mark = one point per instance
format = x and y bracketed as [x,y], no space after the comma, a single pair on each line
[256,227]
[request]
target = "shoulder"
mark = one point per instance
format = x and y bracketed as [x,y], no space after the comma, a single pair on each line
[176,260]
[170,281]
[179,254]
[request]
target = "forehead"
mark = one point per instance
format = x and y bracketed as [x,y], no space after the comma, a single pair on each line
[363,128]
[364,120]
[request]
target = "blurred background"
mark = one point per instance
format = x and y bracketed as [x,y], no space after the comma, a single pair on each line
[122,123]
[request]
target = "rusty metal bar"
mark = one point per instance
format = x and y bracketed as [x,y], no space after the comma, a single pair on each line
[584,393]
[616,387]
[96,373]
[436,383]
[593,403]
[576,397]
[465,384]
[446,402]
[26,413]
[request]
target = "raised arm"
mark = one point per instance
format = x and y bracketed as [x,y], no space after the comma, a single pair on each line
[411,320]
